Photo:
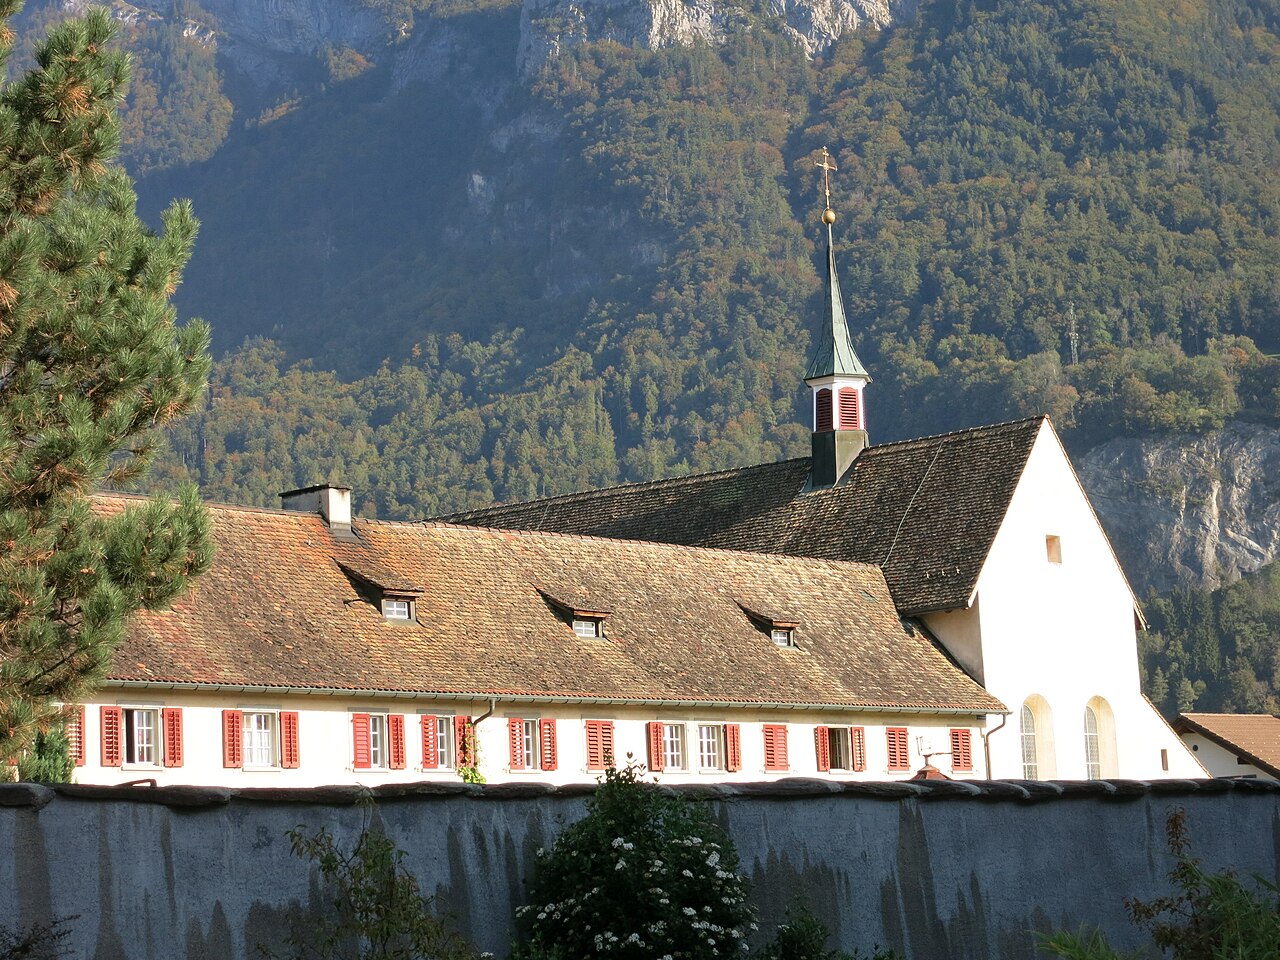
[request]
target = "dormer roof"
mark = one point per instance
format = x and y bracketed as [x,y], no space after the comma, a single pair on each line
[833,353]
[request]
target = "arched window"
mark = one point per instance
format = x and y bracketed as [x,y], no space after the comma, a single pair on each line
[1092,753]
[822,417]
[1030,755]
[848,408]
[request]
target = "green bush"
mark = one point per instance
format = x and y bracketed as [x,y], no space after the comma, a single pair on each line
[802,936]
[643,875]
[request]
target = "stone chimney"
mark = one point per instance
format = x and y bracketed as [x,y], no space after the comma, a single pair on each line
[331,502]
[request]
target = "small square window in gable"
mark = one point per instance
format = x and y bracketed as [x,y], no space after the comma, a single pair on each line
[1053,548]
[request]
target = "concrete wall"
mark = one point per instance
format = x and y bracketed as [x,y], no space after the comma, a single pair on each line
[938,870]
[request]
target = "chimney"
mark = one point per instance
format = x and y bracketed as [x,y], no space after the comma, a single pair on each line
[331,502]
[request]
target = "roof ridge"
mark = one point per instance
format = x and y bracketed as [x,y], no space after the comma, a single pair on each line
[956,433]
[632,485]
[624,541]
[218,504]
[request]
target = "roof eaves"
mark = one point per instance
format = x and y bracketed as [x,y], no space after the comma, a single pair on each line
[1227,745]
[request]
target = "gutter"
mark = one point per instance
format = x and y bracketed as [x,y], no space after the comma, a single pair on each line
[493,698]
[986,741]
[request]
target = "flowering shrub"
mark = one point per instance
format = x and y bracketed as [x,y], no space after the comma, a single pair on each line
[643,875]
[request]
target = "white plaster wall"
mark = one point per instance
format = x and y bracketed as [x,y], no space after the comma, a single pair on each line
[1065,631]
[1219,761]
[325,741]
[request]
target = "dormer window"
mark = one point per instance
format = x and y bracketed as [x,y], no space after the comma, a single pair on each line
[587,628]
[780,627]
[397,609]
[782,636]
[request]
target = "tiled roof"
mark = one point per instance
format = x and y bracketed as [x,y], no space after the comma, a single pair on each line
[926,511]
[1253,736]
[276,609]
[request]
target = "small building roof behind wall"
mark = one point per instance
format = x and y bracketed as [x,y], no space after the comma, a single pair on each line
[1254,737]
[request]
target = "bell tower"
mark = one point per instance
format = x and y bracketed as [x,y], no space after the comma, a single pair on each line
[836,375]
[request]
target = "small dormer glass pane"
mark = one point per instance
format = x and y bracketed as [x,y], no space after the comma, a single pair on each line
[395,609]
[782,637]
[586,628]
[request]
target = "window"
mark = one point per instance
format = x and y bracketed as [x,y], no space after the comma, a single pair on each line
[1092,755]
[1030,758]
[822,412]
[775,748]
[599,735]
[532,743]
[961,750]
[397,609]
[586,628]
[141,736]
[848,408]
[674,756]
[260,739]
[75,734]
[781,636]
[378,741]
[841,748]
[1053,549]
[437,742]
[899,753]
[710,746]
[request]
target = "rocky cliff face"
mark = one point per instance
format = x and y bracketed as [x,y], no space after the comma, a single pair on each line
[548,27]
[1183,511]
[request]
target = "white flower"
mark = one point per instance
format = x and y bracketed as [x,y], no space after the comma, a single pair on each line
[664,901]
[634,938]
[687,873]
[713,860]
[689,911]
[542,915]
[621,864]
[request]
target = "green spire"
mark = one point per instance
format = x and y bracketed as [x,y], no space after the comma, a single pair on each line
[833,354]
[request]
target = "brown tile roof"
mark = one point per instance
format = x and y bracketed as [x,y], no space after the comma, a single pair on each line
[1253,736]
[276,609]
[925,511]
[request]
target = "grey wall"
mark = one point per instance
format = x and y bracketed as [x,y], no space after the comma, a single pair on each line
[938,871]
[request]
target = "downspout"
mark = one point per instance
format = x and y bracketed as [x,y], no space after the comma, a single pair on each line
[986,743]
[493,705]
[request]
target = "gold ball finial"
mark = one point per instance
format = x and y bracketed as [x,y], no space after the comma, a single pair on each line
[828,216]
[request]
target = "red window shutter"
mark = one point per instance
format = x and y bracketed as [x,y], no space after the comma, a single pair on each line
[848,408]
[822,744]
[171,720]
[858,741]
[462,741]
[657,755]
[547,731]
[395,732]
[430,748]
[961,752]
[232,738]
[75,734]
[599,744]
[822,422]
[360,741]
[775,748]
[112,719]
[733,747]
[896,738]
[515,736]
[290,752]
[606,741]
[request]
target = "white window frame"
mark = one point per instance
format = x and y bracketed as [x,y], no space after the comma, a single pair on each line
[782,636]
[840,740]
[444,743]
[675,747]
[379,744]
[587,627]
[397,609]
[711,748]
[272,735]
[532,745]
[130,754]
[1030,745]
[1092,745]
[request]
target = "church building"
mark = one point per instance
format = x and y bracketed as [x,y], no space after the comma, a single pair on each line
[946,606]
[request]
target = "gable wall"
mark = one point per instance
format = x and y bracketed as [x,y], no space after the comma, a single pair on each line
[1065,632]
[1219,761]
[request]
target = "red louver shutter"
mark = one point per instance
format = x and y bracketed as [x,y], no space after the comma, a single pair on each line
[430,748]
[896,739]
[775,748]
[360,741]
[599,744]
[822,422]
[961,752]
[822,745]
[606,741]
[858,741]
[232,738]
[75,734]
[171,720]
[395,730]
[515,738]
[290,748]
[112,720]
[656,753]
[733,747]
[547,731]
[462,741]
[848,408]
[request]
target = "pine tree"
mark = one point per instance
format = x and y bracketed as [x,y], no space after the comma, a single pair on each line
[91,362]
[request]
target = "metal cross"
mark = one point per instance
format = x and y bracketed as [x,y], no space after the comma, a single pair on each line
[827,165]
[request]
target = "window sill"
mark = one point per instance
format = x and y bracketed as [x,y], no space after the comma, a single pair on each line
[147,767]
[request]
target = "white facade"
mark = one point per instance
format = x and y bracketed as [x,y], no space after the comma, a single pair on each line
[1221,762]
[1052,626]
[326,744]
